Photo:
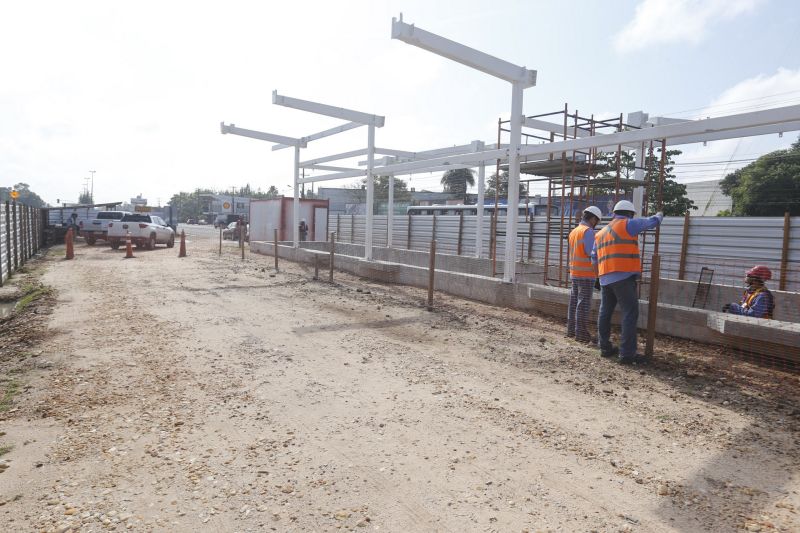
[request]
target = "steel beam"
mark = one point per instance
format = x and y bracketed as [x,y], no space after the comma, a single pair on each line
[370,192]
[334,157]
[322,134]
[328,110]
[261,135]
[499,68]
[335,176]
[329,168]
[676,133]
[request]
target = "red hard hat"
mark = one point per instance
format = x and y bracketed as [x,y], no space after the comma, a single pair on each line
[761,272]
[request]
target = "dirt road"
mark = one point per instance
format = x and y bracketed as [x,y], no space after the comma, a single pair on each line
[212,394]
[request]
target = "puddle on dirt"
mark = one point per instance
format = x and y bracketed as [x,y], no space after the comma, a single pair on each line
[6,308]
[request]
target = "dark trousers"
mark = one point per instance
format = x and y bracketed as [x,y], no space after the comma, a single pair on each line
[580,306]
[622,292]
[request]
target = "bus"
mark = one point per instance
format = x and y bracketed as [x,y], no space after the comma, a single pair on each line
[488,209]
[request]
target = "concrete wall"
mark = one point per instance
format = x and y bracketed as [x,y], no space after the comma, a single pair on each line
[679,321]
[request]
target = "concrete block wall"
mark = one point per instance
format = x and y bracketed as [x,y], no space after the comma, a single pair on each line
[675,320]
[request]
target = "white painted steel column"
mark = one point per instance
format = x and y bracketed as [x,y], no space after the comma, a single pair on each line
[638,174]
[481,198]
[509,270]
[390,213]
[296,205]
[370,191]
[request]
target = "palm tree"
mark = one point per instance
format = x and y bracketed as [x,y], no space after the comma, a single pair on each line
[457,180]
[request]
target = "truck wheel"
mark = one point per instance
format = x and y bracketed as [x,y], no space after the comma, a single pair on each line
[171,242]
[151,242]
[115,244]
[90,240]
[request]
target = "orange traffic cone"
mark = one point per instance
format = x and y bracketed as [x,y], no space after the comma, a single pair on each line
[70,245]
[182,252]
[128,247]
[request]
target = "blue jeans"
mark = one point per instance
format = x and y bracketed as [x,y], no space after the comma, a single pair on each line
[580,305]
[622,292]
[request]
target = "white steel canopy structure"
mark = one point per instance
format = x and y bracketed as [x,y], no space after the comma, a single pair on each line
[477,153]
[355,119]
[520,78]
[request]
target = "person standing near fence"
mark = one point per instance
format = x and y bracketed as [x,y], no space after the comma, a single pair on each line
[303,230]
[583,274]
[757,300]
[619,264]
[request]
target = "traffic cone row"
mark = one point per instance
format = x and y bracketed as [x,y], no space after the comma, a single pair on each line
[128,247]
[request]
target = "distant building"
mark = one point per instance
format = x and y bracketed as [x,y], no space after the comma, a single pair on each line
[351,201]
[224,204]
[708,198]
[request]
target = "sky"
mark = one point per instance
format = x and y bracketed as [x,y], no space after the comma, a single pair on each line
[136,91]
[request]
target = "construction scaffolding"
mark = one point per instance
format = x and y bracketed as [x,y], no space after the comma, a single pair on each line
[583,177]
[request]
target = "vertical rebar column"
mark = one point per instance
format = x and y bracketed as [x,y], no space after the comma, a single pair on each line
[275,249]
[684,247]
[220,240]
[460,231]
[785,251]
[390,214]
[431,272]
[408,239]
[652,304]
[493,224]
[330,260]
[660,193]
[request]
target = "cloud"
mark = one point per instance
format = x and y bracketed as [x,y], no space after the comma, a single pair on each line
[760,92]
[675,21]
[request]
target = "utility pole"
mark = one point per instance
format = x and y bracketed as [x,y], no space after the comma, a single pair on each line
[92,172]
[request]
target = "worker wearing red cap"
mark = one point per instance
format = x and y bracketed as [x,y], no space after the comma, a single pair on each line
[757,301]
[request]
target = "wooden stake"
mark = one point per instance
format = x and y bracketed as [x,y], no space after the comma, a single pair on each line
[785,251]
[684,247]
[431,271]
[460,231]
[275,249]
[330,261]
[652,305]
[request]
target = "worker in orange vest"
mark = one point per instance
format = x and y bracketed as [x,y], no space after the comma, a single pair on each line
[616,254]
[583,274]
[757,300]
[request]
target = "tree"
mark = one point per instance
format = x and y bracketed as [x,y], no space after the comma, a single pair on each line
[26,195]
[491,186]
[673,194]
[85,198]
[381,184]
[769,186]
[272,192]
[457,180]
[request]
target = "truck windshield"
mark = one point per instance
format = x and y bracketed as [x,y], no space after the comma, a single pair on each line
[136,218]
[109,215]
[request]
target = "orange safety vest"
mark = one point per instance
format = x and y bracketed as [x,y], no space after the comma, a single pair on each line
[580,264]
[749,299]
[617,250]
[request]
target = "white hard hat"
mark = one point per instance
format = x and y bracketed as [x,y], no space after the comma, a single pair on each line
[624,205]
[595,211]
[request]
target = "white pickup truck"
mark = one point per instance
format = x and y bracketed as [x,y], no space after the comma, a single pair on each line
[97,229]
[145,230]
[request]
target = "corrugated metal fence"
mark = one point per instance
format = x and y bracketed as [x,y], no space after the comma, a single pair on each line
[728,245]
[20,236]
